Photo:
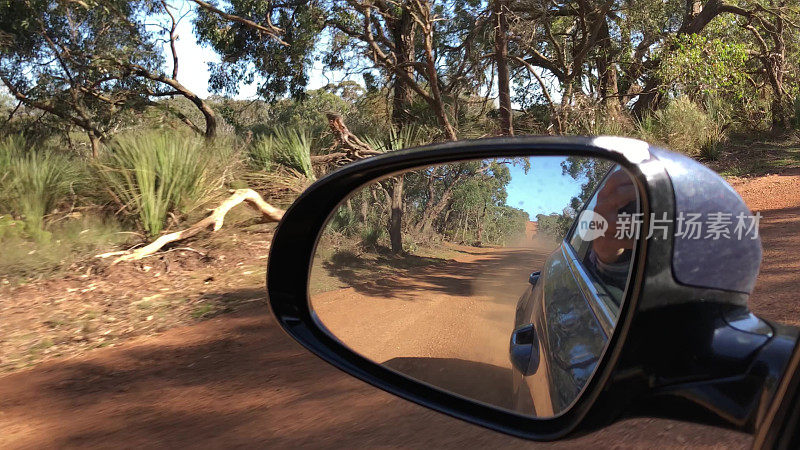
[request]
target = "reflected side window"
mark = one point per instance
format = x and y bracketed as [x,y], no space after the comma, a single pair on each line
[606,258]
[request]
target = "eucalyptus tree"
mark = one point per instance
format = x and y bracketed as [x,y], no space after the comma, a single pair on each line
[420,45]
[431,50]
[263,42]
[47,61]
[500,12]
[90,63]
[479,203]
[624,53]
[654,32]
[558,39]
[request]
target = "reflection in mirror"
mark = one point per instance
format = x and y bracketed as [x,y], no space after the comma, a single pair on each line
[499,280]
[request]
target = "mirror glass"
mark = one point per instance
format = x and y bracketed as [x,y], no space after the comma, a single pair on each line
[499,280]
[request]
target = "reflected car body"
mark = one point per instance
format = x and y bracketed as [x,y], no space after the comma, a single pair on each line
[570,337]
[570,313]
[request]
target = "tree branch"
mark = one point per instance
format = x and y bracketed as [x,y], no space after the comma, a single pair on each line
[270,30]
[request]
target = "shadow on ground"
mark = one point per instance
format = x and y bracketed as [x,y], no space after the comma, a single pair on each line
[412,277]
[474,380]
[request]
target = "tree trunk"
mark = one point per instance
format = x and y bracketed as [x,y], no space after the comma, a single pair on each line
[431,213]
[500,7]
[205,109]
[649,98]
[433,208]
[211,118]
[395,189]
[403,36]
[436,101]
[775,65]
[481,217]
[446,218]
[566,102]
[208,113]
[95,141]
[607,71]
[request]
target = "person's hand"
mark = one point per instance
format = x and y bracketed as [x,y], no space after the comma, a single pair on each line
[617,192]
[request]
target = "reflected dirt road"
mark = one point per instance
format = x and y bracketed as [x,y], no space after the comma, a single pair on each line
[447,324]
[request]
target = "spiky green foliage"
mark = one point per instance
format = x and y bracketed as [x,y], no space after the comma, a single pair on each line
[343,220]
[409,136]
[33,182]
[371,235]
[154,174]
[684,126]
[292,148]
[260,153]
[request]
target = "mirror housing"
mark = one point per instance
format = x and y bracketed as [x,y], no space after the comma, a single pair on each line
[678,346]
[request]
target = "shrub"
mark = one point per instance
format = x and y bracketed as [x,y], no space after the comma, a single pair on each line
[287,147]
[711,147]
[292,148]
[596,120]
[371,235]
[68,242]
[685,127]
[647,129]
[409,136]
[10,147]
[260,153]
[34,182]
[155,174]
[344,221]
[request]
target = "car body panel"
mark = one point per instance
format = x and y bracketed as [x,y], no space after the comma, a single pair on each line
[570,336]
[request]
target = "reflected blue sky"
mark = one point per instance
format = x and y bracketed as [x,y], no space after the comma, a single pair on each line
[543,190]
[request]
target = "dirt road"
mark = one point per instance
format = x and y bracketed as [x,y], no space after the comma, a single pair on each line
[447,324]
[237,380]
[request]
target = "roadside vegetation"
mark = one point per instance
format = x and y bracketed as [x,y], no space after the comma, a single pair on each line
[459,203]
[102,148]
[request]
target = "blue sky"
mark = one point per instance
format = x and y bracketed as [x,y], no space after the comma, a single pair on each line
[543,190]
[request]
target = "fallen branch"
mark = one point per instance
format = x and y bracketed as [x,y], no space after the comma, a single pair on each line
[343,139]
[214,220]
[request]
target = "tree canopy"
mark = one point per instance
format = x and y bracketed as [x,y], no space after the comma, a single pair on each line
[91,64]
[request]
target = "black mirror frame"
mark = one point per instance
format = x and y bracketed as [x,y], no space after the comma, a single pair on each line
[296,237]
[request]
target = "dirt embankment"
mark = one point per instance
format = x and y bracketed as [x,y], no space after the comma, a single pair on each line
[237,380]
[777,198]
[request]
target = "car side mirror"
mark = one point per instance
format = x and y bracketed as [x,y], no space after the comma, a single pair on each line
[374,269]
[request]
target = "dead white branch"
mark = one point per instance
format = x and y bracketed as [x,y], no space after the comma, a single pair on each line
[214,220]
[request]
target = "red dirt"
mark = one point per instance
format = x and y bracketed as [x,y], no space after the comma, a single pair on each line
[237,380]
[777,198]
